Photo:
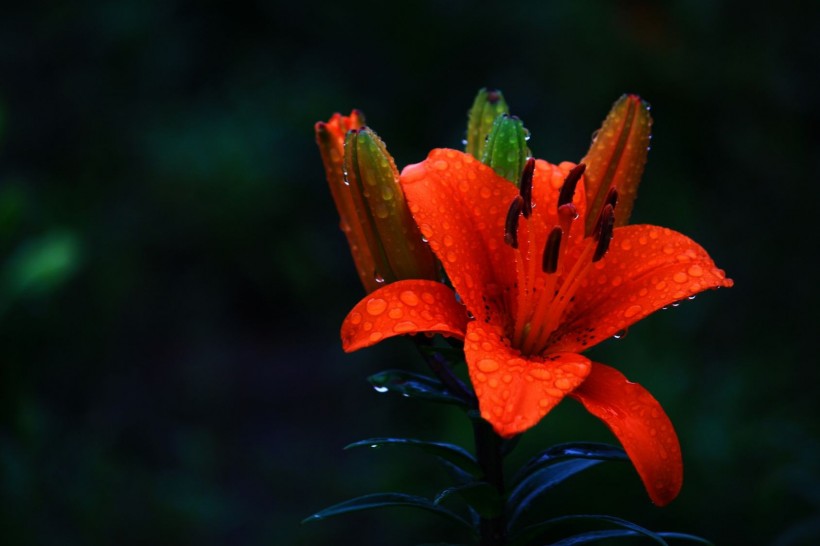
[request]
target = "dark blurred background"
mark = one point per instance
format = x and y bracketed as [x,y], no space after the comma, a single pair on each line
[172,275]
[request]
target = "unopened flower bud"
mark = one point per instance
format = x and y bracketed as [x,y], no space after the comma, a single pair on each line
[506,148]
[384,240]
[487,106]
[616,158]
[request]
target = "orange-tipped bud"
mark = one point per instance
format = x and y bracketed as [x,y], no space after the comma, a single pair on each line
[384,240]
[616,158]
[330,137]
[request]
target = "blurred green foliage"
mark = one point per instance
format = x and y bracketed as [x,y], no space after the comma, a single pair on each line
[172,276]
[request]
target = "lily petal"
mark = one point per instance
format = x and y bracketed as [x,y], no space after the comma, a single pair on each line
[460,206]
[403,307]
[646,268]
[515,392]
[642,427]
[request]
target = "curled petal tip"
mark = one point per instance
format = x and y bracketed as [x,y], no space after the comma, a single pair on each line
[640,424]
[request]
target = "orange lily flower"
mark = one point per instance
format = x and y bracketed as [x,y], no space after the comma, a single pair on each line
[534,290]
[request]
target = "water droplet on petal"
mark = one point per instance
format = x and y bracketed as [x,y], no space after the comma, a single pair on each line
[406,326]
[379,388]
[696,271]
[680,277]
[632,311]
[409,297]
[487,365]
[378,278]
[376,336]
[395,313]
[376,306]
[620,334]
[355,318]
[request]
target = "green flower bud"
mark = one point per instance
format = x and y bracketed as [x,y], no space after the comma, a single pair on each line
[506,148]
[488,105]
[394,240]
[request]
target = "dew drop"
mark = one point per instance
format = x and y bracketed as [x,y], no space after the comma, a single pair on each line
[487,365]
[696,271]
[406,326]
[620,334]
[451,257]
[376,306]
[448,240]
[379,388]
[395,313]
[355,318]
[376,336]
[680,277]
[409,297]
[632,311]
[378,278]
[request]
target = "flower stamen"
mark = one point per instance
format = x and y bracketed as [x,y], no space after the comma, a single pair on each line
[549,263]
[570,182]
[526,186]
[511,224]
[604,232]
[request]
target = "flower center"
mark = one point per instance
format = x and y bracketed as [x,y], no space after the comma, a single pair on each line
[549,275]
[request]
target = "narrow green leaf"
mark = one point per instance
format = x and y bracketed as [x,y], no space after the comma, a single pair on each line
[387,500]
[541,481]
[488,105]
[449,452]
[481,496]
[686,536]
[528,534]
[414,385]
[594,536]
[570,450]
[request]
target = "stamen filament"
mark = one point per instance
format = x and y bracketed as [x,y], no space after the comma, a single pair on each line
[548,314]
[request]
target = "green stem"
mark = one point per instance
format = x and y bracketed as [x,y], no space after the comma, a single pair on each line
[441,368]
[488,447]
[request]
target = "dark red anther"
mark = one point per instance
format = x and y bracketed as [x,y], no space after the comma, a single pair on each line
[493,95]
[526,186]
[611,197]
[549,263]
[568,189]
[603,232]
[511,225]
